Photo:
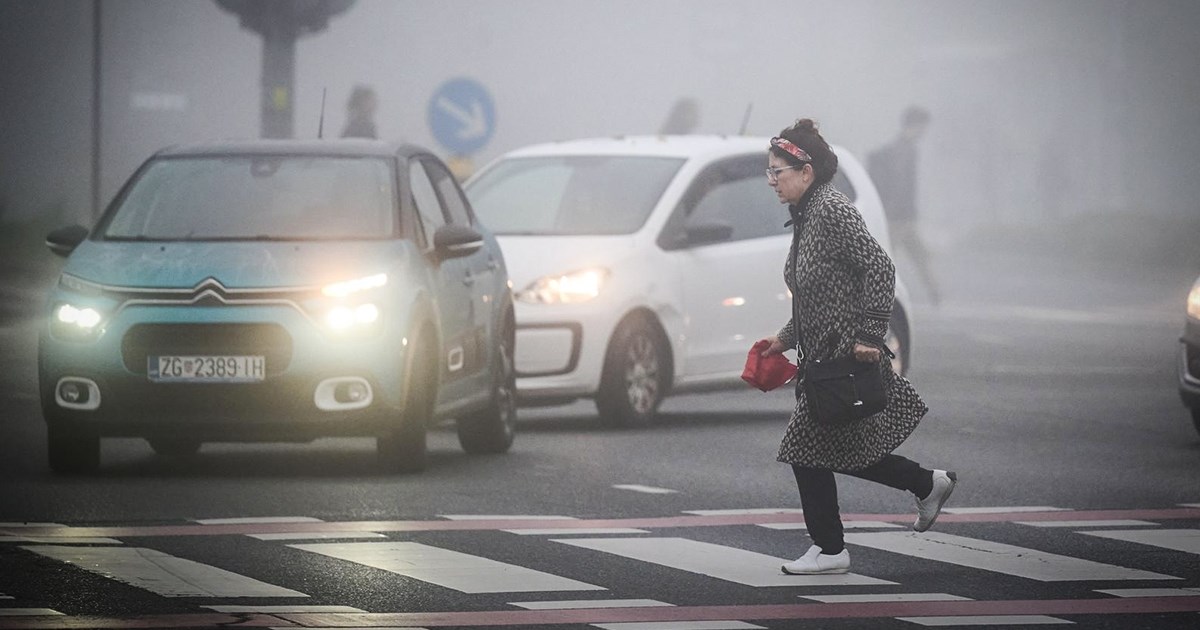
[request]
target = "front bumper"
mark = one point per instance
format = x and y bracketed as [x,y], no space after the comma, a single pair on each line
[291,403]
[560,350]
[1189,364]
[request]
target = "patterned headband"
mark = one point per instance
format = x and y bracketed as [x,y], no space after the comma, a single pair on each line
[791,149]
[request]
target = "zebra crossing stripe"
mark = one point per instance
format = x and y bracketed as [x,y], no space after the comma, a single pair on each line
[161,573]
[462,572]
[561,604]
[28,612]
[1151,592]
[886,597]
[1097,523]
[1186,540]
[998,557]
[724,563]
[679,625]
[986,620]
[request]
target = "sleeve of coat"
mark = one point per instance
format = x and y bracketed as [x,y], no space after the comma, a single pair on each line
[846,234]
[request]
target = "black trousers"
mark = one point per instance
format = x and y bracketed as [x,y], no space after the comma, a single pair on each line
[818,494]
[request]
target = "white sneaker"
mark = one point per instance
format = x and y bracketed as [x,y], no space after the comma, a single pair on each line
[929,507]
[813,562]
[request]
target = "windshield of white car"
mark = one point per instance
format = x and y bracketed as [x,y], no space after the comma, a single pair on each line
[570,195]
[257,198]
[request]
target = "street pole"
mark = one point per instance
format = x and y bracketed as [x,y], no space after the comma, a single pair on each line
[96,111]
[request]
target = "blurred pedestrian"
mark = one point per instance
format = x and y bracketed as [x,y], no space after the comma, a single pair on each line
[360,113]
[842,284]
[893,168]
[682,119]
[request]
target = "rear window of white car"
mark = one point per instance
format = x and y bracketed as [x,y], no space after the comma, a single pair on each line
[258,198]
[570,195]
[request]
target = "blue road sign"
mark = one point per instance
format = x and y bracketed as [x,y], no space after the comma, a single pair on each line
[462,116]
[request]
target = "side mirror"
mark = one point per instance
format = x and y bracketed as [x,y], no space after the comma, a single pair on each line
[705,233]
[456,241]
[64,240]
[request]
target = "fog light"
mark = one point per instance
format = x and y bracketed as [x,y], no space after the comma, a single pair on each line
[75,392]
[349,393]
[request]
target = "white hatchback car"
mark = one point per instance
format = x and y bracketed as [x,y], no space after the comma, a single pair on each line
[644,266]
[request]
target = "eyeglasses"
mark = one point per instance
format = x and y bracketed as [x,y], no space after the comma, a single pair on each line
[774,171]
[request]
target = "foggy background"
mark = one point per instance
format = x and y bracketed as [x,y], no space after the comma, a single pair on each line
[1044,112]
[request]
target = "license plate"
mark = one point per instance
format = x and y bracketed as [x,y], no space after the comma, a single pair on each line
[207,369]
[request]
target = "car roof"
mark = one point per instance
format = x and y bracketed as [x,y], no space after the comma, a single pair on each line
[691,146]
[332,147]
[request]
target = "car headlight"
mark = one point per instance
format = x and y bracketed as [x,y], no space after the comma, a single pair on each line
[1193,301]
[350,308]
[568,288]
[77,322]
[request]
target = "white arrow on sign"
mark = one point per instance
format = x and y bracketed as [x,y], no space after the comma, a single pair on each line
[474,123]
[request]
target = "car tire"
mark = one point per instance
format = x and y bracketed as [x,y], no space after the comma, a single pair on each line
[491,430]
[635,377]
[72,453]
[403,448]
[897,342]
[174,447]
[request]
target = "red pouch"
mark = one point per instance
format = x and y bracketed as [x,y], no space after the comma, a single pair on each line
[767,373]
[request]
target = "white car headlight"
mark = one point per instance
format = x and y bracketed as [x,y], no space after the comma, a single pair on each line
[357,285]
[568,288]
[342,318]
[71,321]
[1193,301]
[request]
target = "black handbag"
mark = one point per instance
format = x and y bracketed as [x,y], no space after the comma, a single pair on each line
[843,390]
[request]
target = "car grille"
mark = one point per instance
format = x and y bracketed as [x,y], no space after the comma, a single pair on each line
[269,340]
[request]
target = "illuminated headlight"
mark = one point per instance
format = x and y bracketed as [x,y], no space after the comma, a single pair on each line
[76,322]
[358,285]
[1193,301]
[578,286]
[344,318]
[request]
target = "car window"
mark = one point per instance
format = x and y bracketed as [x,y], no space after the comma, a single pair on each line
[257,197]
[570,195]
[429,208]
[451,196]
[734,193]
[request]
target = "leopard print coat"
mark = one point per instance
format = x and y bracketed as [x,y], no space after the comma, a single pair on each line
[842,283]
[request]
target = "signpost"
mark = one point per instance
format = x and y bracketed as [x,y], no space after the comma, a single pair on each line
[462,116]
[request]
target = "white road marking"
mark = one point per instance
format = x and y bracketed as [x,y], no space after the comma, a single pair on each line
[679,625]
[458,571]
[997,557]
[258,519]
[589,603]
[1004,509]
[886,597]
[1113,523]
[161,573]
[987,620]
[316,535]
[506,517]
[1191,505]
[285,609]
[1151,592]
[845,525]
[744,512]
[593,531]
[724,563]
[14,525]
[27,612]
[56,540]
[633,487]
[1186,540]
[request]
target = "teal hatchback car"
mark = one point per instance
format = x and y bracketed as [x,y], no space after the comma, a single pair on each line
[279,291]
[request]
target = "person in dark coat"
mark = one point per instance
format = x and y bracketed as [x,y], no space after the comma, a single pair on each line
[842,284]
[360,113]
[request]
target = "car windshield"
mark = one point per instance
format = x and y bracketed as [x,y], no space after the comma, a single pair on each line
[570,195]
[258,198]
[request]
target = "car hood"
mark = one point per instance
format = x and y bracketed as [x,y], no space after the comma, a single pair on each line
[233,264]
[531,257]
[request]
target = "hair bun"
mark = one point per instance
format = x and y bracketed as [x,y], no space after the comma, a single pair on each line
[805,124]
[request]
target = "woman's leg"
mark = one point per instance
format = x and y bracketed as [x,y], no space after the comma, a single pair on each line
[898,472]
[818,498]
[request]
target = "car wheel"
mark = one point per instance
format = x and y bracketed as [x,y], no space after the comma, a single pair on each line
[403,448]
[1196,418]
[897,342]
[634,380]
[174,447]
[72,453]
[492,429]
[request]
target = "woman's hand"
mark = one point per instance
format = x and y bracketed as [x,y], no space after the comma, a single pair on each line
[867,354]
[776,346]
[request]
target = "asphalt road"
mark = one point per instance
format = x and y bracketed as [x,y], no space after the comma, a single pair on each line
[1051,387]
